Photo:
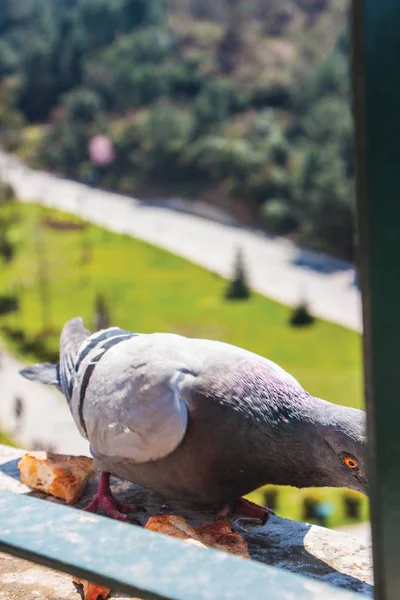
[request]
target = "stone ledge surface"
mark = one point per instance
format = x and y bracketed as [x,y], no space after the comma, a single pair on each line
[323,554]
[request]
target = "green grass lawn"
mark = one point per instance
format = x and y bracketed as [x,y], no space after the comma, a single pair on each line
[5,439]
[148,289]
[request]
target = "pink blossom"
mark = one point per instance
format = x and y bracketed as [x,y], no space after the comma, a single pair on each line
[101,150]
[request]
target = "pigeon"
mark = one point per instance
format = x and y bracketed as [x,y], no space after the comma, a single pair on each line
[199,420]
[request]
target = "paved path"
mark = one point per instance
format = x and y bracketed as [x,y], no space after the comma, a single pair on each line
[271,263]
[45,421]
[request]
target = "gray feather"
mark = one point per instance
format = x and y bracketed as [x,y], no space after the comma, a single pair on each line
[72,337]
[43,373]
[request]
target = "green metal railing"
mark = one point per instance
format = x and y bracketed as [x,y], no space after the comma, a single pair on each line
[136,561]
[139,562]
[376,69]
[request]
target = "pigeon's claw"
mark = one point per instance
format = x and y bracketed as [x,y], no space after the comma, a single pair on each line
[104,501]
[246,508]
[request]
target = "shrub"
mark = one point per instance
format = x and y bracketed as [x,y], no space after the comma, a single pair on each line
[274,95]
[331,77]
[164,137]
[151,45]
[278,216]
[11,120]
[312,5]
[7,193]
[351,504]
[8,304]
[39,348]
[134,70]
[65,147]
[238,288]
[6,249]
[311,502]
[219,158]
[83,106]
[141,85]
[301,317]
[185,78]
[17,335]
[325,201]
[218,99]
[271,496]
[38,345]
[267,181]
[328,120]
[102,315]
[8,218]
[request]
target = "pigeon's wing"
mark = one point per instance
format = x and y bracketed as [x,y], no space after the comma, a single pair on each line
[133,393]
[126,399]
[258,389]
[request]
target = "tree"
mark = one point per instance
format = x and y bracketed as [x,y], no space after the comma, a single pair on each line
[65,148]
[238,288]
[99,22]
[279,217]
[137,13]
[328,120]
[232,41]
[38,87]
[330,78]
[218,98]
[8,218]
[102,315]
[165,134]
[11,120]
[83,106]
[131,71]
[8,59]
[325,200]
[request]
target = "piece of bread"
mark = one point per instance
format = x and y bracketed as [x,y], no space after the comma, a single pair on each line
[174,526]
[60,475]
[92,591]
[219,535]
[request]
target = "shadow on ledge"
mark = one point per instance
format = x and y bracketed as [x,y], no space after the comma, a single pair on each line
[323,554]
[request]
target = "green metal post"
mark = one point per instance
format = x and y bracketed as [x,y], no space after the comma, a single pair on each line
[376,77]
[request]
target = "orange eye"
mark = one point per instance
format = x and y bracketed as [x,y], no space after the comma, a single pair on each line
[350,462]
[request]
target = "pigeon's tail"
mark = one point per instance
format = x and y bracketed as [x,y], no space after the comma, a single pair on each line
[72,337]
[44,373]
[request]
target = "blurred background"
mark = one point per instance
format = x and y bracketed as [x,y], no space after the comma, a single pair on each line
[182,166]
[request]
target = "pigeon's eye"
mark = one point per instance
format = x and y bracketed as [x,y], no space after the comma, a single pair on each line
[350,462]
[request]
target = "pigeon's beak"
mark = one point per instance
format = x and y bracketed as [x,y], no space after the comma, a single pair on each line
[363,484]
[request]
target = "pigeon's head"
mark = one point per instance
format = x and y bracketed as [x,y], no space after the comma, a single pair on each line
[340,444]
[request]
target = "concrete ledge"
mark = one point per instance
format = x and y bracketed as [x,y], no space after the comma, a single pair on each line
[323,554]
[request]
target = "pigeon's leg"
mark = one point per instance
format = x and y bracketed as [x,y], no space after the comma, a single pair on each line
[104,500]
[247,509]
[223,513]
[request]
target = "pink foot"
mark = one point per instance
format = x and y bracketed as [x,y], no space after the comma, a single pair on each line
[104,500]
[247,509]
